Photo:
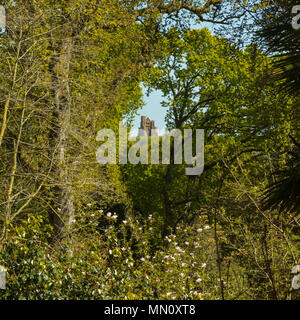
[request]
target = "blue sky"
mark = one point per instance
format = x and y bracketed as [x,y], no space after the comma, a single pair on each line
[152,110]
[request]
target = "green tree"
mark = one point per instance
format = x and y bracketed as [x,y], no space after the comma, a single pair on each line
[282,41]
[209,84]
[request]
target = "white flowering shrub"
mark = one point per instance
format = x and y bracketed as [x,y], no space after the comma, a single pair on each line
[104,257]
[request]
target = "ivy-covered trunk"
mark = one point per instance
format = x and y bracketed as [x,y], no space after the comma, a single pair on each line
[62,213]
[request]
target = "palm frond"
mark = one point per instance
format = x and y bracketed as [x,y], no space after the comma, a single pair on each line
[284,194]
[283,42]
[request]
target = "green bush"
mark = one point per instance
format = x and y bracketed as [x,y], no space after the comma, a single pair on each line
[118,261]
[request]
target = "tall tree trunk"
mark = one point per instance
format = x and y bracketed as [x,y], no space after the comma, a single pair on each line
[169,211]
[62,212]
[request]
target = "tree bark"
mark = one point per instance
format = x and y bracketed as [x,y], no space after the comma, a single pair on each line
[62,211]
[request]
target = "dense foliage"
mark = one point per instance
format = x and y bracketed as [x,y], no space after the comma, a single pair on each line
[74,229]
